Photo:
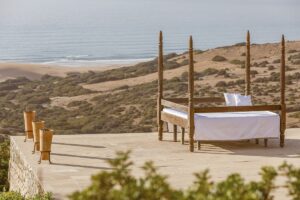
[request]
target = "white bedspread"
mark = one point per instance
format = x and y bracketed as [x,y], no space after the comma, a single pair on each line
[233,125]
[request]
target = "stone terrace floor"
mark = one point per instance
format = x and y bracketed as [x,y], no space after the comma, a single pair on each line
[76,157]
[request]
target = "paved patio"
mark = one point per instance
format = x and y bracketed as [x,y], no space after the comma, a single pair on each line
[76,157]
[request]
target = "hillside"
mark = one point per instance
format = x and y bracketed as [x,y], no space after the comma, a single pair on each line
[124,99]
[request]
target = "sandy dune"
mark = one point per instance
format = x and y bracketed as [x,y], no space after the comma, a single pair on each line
[269,52]
[35,71]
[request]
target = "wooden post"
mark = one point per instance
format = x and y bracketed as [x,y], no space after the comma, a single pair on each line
[182,135]
[160,86]
[266,142]
[247,69]
[175,133]
[191,125]
[282,92]
[247,66]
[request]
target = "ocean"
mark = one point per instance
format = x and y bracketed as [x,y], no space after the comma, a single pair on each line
[93,32]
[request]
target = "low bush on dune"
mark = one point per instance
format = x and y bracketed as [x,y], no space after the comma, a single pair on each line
[276,61]
[296,62]
[292,51]
[293,57]
[237,62]
[271,67]
[240,44]
[78,103]
[120,184]
[218,58]
[221,84]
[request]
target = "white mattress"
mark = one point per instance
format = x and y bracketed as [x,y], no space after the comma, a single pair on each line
[233,125]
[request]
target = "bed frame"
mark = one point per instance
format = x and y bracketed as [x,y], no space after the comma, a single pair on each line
[187,104]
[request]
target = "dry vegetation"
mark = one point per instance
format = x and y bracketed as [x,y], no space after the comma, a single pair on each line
[124,99]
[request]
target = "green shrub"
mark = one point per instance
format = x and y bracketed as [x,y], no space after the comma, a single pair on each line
[218,58]
[292,51]
[17,196]
[78,103]
[263,64]
[221,84]
[271,67]
[240,44]
[293,57]
[11,196]
[296,62]
[237,62]
[120,184]
[4,160]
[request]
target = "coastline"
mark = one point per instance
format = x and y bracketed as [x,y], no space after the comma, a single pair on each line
[33,71]
[11,70]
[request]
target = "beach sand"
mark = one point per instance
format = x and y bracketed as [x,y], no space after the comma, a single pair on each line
[35,71]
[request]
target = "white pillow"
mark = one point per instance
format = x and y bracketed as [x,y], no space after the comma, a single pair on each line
[241,100]
[230,99]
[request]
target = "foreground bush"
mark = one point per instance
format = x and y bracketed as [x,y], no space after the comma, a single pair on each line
[120,184]
[4,159]
[18,196]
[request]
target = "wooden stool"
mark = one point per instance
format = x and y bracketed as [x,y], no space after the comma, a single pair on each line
[37,125]
[29,117]
[46,136]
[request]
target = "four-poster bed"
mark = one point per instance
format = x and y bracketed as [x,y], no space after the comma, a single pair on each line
[182,112]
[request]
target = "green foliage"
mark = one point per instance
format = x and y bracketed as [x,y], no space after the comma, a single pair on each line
[218,58]
[293,57]
[18,196]
[237,62]
[240,44]
[11,196]
[119,184]
[293,182]
[4,160]
[271,67]
[296,62]
[292,51]
[221,84]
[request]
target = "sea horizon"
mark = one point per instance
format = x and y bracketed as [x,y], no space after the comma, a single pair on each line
[80,33]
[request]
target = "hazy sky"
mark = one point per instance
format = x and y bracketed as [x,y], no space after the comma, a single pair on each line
[128,28]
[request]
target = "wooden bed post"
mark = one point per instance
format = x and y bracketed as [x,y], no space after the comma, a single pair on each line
[282,92]
[160,86]
[191,125]
[247,69]
[247,66]
[182,135]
